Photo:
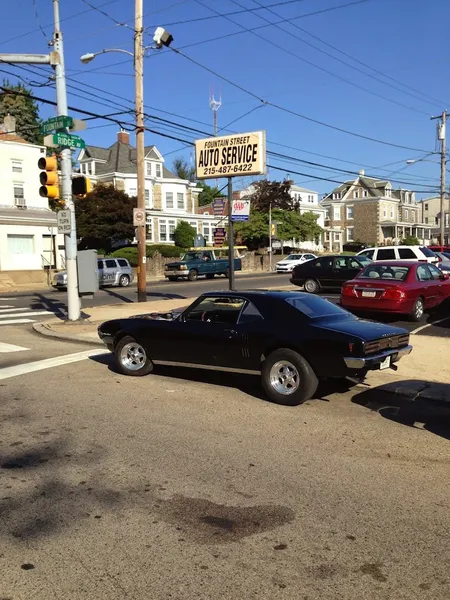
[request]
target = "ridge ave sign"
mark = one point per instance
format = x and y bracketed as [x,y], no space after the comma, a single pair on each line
[231,155]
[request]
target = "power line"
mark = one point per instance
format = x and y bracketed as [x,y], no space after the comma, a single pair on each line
[38,20]
[105,14]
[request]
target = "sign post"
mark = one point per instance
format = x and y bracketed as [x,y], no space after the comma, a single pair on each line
[237,155]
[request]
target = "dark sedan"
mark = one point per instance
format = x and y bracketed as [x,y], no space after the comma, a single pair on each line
[327,272]
[291,339]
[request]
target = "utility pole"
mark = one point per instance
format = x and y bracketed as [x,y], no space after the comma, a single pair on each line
[140,146]
[73,299]
[215,105]
[270,236]
[441,137]
[230,236]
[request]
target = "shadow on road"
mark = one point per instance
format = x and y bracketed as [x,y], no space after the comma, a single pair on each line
[44,302]
[410,402]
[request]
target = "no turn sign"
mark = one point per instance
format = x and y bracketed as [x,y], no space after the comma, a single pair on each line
[138,216]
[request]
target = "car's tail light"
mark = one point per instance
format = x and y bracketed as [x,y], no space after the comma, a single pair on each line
[348,291]
[394,294]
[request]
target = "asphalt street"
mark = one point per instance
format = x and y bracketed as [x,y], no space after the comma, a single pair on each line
[188,485]
[24,308]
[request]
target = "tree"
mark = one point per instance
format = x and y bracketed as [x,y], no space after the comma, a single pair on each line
[181,168]
[409,240]
[184,235]
[24,109]
[272,193]
[104,216]
[208,193]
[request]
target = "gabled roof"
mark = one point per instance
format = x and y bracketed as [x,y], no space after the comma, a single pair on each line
[297,188]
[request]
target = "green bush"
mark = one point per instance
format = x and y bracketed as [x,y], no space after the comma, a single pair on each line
[130,252]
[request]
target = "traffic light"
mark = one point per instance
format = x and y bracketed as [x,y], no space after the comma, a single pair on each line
[48,177]
[81,186]
[273,230]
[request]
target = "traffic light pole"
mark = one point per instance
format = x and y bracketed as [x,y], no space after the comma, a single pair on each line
[73,299]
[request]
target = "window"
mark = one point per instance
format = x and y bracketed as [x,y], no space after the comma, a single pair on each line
[368,253]
[436,220]
[99,265]
[172,225]
[406,198]
[340,262]
[384,272]
[426,206]
[122,262]
[337,213]
[356,194]
[384,212]
[20,244]
[250,314]
[365,193]
[162,231]
[150,229]
[310,198]
[19,198]
[388,192]
[322,263]
[413,217]
[17,166]
[336,195]
[350,234]
[216,310]
[89,168]
[315,307]
[386,254]
[435,272]
[148,169]
[169,199]
[406,253]
[158,170]
[349,212]
[147,197]
[327,213]
[180,200]
[337,237]
[426,220]
[423,273]
[110,264]
[133,192]
[193,224]
[392,212]
[405,215]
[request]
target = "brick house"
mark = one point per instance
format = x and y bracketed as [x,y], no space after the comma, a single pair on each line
[370,211]
[168,198]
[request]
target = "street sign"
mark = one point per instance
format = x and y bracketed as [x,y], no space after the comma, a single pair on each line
[64,219]
[231,155]
[218,205]
[219,236]
[66,140]
[240,210]
[55,123]
[138,216]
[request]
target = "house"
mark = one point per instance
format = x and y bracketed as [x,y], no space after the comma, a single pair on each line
[307,201]
[370,211]
[431,215]
[28,228]
[168,198]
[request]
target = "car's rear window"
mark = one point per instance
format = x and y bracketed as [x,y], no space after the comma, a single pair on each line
[315,307]
[427,251]
[384,272]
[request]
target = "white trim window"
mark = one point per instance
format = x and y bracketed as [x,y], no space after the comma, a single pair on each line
[350,237]
[158,170]
[163,231]
[147,198]
[336,195]
[148,168]
[17,166]
[388,192]
[194,225]
[20,244]
[356,194]
[172,226]
[169,199]
[149,229]
[336,213]
[349,212]
[365,193]
[180,201]
[337,237]
[19,195]
[207,231]
[405,215]
[392,212]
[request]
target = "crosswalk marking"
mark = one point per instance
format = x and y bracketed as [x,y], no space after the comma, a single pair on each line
[9,306]
[31,313]
[7,348]
[15,321]
[10,309]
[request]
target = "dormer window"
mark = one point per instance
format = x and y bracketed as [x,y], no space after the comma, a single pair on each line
[158,170]
[356,194]
[336,195]
[388,192]
[148,168]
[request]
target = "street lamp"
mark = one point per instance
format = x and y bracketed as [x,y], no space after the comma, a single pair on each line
[161,38]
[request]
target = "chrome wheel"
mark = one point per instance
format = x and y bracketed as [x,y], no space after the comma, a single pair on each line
[418,310]
[124,281]
[311,286]
[284,377]
[133,356]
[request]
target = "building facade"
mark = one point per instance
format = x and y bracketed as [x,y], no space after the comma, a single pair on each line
[168,198]
[370,211]
[431,215]
[28,228]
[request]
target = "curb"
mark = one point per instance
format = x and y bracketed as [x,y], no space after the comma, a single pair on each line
[41,329]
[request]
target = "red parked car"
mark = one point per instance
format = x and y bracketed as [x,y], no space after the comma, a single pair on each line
[409,288]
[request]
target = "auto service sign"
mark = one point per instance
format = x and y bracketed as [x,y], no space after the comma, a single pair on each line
[240,210]
[231,155]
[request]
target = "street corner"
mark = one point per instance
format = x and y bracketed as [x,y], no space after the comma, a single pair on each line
[410,401]
[67,331]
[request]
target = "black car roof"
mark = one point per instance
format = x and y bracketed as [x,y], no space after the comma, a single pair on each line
[256,294]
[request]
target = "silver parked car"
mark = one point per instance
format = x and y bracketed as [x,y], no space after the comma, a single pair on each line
[111,271]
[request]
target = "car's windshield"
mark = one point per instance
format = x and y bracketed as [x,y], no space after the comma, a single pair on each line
[384,272]
[193,256]
[447,255]
[315,307]
[364,260]
[427,251]
[293,257]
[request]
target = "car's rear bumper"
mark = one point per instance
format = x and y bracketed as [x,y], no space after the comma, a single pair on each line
[295,281]
[374,361]
[402,307]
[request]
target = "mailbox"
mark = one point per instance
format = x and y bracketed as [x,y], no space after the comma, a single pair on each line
[87,272]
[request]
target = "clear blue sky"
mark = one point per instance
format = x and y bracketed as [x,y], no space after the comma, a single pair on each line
[406,40]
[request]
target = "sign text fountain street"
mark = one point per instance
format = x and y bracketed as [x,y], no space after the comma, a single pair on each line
[238,155]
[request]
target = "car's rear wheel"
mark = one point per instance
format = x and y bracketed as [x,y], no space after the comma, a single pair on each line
[210,276]
[192,275]
[227,273]
[287,378]
[417,311]
[124,281]
[131,358]
[312,286]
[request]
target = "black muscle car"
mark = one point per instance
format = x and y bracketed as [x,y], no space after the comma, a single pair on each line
[292,339]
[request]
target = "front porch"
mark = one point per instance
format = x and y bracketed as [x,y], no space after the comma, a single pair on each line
[394,233]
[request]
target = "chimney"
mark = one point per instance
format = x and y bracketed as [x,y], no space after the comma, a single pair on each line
[361,172]
[123,137]
[9,124]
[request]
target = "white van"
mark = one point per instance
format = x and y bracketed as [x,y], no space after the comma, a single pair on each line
[420,253]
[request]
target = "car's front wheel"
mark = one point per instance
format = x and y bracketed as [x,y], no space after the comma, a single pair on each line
[193,275]
[131,358]
[124,281]
[311,286]
[287,378]
[418,310]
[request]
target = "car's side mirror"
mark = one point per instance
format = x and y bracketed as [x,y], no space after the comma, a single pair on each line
[445,276]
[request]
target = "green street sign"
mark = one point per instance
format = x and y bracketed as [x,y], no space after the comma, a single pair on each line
[55,123]
[68,141]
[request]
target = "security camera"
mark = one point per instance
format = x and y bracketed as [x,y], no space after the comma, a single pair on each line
[162,37]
